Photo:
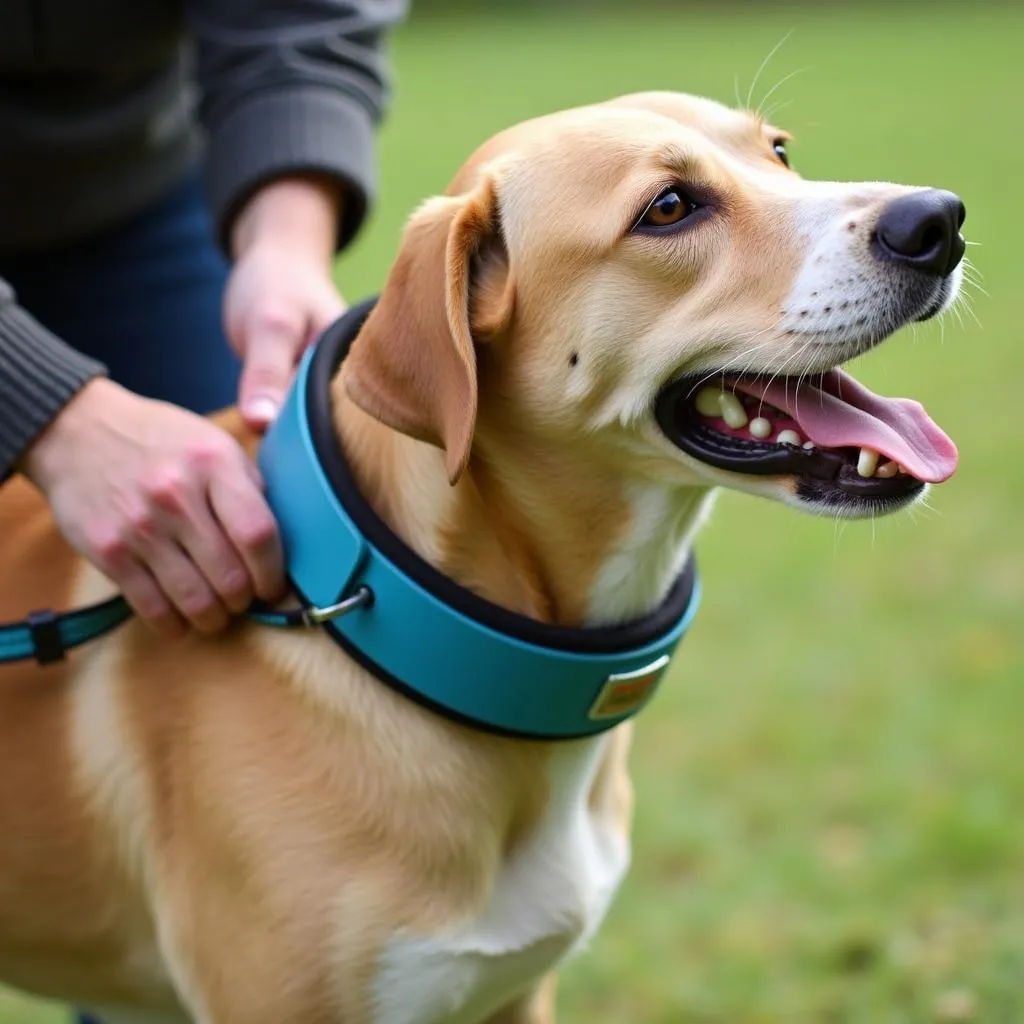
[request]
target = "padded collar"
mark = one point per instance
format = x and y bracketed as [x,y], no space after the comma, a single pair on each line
[423,634]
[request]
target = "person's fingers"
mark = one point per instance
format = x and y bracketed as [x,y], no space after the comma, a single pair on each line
[326,306]
[239,506]
[140,590]
[185,586]
[149,602]
[181,517]
[271,349]
[214,555]
[112,545]
[170,499]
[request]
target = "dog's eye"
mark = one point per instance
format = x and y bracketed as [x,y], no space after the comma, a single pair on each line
[669,208]
[780,151]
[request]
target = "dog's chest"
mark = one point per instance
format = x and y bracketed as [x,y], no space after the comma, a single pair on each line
[551,895]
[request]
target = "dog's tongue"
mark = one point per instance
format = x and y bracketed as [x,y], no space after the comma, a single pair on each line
[843,413]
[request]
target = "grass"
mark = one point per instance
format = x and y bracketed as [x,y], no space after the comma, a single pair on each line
[830,788]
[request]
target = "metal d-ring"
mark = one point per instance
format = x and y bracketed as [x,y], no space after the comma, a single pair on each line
[362,598]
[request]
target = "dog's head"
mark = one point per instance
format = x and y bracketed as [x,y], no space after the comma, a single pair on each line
[649,278]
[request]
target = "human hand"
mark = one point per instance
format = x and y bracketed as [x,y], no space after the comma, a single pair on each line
[163,502]
[281,293]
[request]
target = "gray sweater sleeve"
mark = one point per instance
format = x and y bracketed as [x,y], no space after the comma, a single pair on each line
[38,375]
[291,87]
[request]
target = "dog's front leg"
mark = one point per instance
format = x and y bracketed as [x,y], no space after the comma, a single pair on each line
[236,958]
[538,1007]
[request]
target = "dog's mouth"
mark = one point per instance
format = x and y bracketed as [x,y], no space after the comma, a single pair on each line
[837,438]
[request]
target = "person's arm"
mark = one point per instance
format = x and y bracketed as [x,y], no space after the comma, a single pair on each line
[162,501]
[291,96]
[281,291]
[39,375]
[291,89]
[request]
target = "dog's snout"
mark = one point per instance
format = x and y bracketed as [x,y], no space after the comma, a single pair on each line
[922,230]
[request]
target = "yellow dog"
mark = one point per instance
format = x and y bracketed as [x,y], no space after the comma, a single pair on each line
[614,311]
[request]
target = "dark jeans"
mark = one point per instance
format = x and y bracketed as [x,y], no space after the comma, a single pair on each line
[145,299]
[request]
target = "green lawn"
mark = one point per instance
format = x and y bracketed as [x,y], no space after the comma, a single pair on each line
[831,789]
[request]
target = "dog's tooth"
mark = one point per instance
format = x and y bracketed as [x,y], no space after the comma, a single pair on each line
[867,462]
[732,410]
[760,427]
[709,401]
[809,445]
[886,470]
[789,437]
[901,469]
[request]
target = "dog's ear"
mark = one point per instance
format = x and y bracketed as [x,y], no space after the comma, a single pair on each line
[413,365]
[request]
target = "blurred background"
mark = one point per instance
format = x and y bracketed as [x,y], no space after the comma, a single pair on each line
[830,822]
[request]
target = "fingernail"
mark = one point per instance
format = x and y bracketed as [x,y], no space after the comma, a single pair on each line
[262,409]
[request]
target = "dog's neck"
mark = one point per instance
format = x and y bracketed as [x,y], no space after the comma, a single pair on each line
[541,532]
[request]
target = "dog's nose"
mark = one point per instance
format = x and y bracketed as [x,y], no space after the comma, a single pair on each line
[922,230]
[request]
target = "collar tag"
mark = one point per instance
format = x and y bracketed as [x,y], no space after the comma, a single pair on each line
[624,692]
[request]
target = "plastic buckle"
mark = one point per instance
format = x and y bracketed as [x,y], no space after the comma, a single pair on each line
[48,644]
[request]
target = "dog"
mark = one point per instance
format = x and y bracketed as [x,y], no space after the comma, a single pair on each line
[612,313]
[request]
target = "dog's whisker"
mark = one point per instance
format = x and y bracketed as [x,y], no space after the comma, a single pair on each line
[796,357]
[778,85]
[787,362]
[769,114]
[963,303]
[972,271]
[976,284]
[839,523]
[955,311]
[764,64]
[733,363]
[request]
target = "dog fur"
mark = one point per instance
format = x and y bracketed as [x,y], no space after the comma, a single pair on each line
[251,828]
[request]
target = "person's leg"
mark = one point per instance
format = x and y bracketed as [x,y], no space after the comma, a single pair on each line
[145,299]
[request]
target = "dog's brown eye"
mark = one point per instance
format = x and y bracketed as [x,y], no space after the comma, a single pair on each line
[780,151]
[669,208]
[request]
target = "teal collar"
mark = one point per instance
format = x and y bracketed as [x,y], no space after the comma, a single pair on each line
[420,632]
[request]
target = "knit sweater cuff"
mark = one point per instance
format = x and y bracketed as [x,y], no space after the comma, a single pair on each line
[39,374]
[295,130]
